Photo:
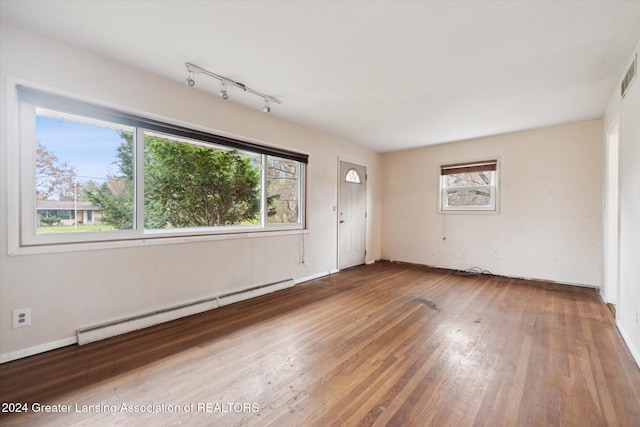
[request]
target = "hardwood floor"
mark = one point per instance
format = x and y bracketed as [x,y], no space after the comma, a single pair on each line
[386,344]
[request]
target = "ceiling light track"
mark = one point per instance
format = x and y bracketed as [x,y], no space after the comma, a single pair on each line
[225,81]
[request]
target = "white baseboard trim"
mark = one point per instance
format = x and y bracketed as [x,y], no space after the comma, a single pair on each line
[534,279]
[41,348]
[315,276]
[255,292]
[627,341]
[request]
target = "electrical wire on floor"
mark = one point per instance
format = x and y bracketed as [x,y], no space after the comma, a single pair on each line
[471,272]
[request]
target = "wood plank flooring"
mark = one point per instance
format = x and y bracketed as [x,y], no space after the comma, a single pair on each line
[386,344]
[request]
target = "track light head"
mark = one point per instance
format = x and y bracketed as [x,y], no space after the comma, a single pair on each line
[266,108]
[223,91]
[190,80]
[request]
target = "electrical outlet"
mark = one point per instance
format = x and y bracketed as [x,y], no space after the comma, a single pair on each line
[21,317]
[459,255]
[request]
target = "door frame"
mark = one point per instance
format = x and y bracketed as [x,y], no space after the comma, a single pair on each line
[337,210]
[612,214]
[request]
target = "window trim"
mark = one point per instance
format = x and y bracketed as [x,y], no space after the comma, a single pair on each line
[466,167]
[22,235]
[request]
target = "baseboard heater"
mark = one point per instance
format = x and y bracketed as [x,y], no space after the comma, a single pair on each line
[119,327]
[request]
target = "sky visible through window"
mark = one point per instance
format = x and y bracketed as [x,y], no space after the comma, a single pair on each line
[89,149]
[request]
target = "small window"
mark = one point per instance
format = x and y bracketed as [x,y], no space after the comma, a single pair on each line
[469,186]
[353,176]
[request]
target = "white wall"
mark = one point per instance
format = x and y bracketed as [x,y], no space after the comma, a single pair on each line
[550,220]
[627,112]
[70,290]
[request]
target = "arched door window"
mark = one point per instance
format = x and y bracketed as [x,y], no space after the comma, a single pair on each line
[353,176]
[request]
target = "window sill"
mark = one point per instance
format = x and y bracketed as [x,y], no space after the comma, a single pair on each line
[148,241]
[469,211]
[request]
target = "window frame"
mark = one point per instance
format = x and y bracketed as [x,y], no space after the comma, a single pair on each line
[465,167]
[22,204]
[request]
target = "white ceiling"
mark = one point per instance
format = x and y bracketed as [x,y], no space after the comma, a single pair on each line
[386,75]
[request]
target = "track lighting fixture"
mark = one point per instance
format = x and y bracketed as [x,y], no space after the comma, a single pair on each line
[224,81]
[223,91]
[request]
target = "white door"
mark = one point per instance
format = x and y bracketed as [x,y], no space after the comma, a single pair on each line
[352,215]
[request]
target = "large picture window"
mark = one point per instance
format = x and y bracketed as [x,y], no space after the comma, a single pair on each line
[469,186]
[96,174]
